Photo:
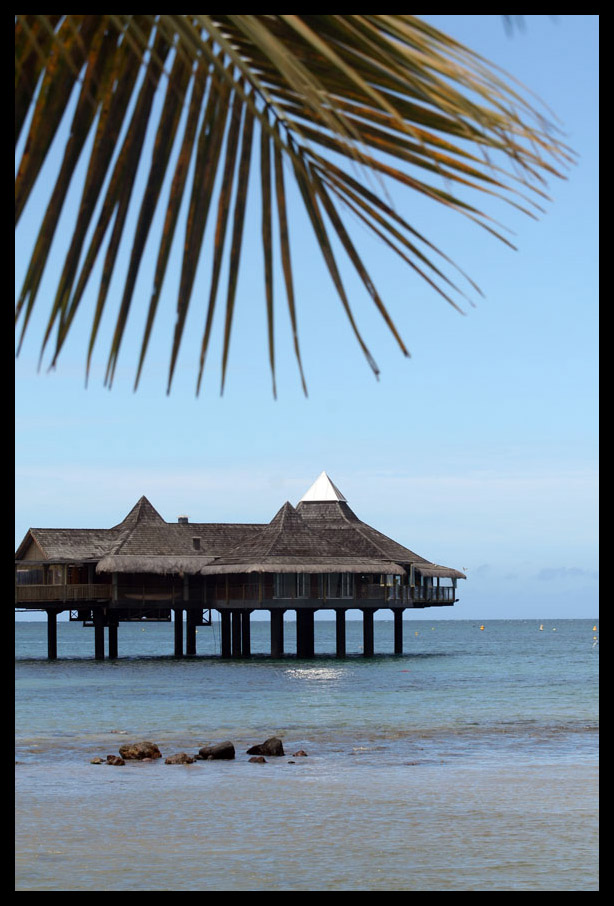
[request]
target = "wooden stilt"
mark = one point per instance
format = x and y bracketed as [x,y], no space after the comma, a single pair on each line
[52,635]
[190,640]
[304,633]
[99,622]
[398,630]
[245,634]
[225,619]
[367,633]
[340,631]
[300,634]
[236,632]
[113,627]
[277,633]
[178,613]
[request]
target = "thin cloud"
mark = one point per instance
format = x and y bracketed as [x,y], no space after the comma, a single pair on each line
[551,574]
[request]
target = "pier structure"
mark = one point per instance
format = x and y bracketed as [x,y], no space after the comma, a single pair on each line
[316,556]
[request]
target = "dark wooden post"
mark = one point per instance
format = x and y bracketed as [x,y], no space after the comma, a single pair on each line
[52,634]
[99,622]
[277,633]
[304,633]
[113,626]
[225,618]
[178,611]
[236,633]
[367,633]
[245,634]
[300,634]
[340,631]
[398,630]
[190,640]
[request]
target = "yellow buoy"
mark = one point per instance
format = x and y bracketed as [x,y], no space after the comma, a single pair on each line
[594,629]
[482,627]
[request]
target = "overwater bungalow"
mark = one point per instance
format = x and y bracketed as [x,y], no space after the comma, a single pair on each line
[316,556]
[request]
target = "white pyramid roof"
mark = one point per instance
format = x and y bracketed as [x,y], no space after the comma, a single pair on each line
[323,489]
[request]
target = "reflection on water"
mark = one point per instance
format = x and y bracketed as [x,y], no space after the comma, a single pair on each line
[316,673]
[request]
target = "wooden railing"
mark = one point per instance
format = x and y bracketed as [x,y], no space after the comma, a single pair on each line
[40,594]
[35,594]
[404,594]
[390,594]
[445,594]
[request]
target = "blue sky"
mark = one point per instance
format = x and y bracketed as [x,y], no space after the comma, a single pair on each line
[479,451]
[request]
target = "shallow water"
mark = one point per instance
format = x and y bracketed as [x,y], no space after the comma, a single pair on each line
[467,763]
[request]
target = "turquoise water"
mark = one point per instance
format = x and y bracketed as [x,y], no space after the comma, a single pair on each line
[467,763]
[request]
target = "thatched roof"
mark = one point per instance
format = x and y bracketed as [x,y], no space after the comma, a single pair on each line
[299,565]
[63,545]
[441,572]
[289,544]
[158,565]
[335,521]
[321,535]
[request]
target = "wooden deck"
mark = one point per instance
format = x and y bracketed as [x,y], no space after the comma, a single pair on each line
[249,594]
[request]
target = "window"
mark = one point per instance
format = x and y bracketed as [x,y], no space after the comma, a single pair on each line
[55,575]
[292,585]
[339,585]
[303,585]
[390,580]
[30,577]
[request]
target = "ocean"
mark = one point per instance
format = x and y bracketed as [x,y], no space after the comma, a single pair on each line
[469,762]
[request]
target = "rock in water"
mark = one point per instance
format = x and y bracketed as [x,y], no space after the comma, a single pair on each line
[271,746]
[220,750]
[136,751]
[115,759]
[179,758]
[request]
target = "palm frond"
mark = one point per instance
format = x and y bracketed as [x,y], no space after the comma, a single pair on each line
[346,105]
